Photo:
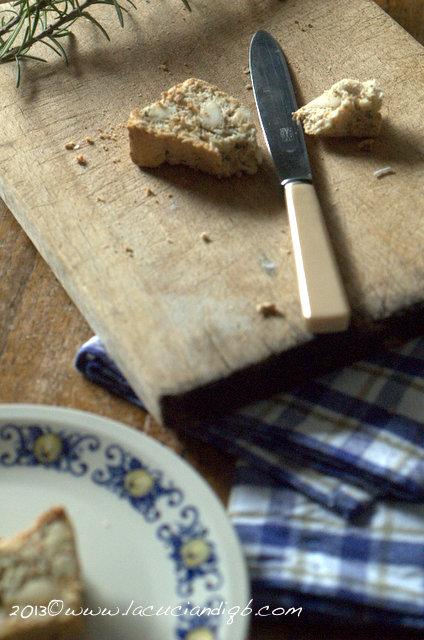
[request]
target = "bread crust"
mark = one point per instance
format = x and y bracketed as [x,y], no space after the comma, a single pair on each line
[49,627]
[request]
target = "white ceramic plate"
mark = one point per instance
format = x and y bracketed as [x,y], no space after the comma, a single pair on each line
[150,531]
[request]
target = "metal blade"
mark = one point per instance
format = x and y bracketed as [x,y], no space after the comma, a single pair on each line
[276,101]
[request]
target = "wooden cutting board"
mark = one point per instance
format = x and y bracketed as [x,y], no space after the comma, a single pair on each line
[179,315]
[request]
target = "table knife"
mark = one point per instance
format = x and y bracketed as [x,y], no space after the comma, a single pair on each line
[322,297]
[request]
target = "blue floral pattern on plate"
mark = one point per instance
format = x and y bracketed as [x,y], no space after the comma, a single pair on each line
[191,550]
[199,623]
[41,445]
[129,478]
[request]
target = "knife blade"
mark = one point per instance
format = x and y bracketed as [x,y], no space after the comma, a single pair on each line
[323,300]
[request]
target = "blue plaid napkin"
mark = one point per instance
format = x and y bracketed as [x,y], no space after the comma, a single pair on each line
[329,496]
[300,554]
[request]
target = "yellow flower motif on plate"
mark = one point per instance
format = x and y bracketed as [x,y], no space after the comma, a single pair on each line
[48,448]
[195,552]
[138,483]
[201,633]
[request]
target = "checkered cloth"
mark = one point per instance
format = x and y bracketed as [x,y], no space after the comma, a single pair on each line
[329,496]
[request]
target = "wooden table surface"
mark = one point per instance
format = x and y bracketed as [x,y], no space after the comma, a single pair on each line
[40,330]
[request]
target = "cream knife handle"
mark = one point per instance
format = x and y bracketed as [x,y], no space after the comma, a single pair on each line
[322,296]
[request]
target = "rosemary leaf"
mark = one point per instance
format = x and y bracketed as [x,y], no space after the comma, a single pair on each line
[35,22]
[24,39]
[96,23]
[60,47]
[119,12]
[18,71]
[63,34]
[27,13]
[27,56]
[7,45]
[51,46]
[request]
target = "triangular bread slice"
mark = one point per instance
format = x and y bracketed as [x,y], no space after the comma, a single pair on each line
[38,566]
[195,124]
[348,108]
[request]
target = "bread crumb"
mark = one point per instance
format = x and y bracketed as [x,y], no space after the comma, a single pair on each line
[269,310]
[248,87]
[149,192]
[89,140]
[367,144]
[82,160]
[206,237]
[130,251]
[70,145]
[384,171]
[269,266]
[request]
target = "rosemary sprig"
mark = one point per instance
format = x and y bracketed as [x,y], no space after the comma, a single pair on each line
[28,22]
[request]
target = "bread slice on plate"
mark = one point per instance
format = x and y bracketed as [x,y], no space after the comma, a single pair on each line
[38,566]
[348,108]
[195,124]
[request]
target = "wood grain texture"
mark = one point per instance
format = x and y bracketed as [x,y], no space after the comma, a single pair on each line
[408,13]
[40,329]
[175,313]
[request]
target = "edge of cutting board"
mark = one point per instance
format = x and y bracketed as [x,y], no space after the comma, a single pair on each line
[283,372]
